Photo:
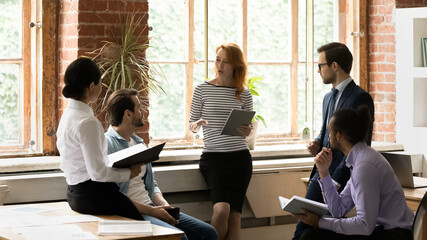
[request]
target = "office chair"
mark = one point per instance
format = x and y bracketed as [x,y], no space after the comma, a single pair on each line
[418,220]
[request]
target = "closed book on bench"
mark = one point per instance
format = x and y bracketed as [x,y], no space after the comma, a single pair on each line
[296,203]
[125,227]
[136,154]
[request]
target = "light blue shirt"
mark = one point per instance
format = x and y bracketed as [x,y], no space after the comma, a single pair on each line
[375,191]
[116,143]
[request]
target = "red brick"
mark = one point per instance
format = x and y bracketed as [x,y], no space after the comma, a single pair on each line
[372,10]
[69,6]
[373,29]
[379,118]
[115,5]
[391,58]
[389,38]
[389,19]
[378,137]
[386,127]
[376,77]
[387,48]
[68,30]
[69,18]
[373,48]
[386,29]
[390,77]
[390,117]
[376,19]
[100,5]
[390,137]
[373,67]
[91,30]
[376,2]
[386,107]
[376,57]
[386,9]
[386,67]
[68,42]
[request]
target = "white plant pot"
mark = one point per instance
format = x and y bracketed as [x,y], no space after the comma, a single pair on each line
[251,139]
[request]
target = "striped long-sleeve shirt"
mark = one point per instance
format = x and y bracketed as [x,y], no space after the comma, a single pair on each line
[214,103]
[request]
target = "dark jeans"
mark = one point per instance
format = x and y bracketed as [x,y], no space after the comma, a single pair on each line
[379,234]
[340,173]
[193,228]
[101,198]
[313,193]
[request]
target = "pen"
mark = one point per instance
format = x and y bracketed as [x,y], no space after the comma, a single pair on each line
[328,145]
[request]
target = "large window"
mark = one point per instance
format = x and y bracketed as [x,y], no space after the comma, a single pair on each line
[17,85]
[273,35]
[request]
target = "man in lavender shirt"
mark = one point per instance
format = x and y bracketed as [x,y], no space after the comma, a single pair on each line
[373,188]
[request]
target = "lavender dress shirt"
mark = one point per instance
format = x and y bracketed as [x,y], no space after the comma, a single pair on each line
[375,191]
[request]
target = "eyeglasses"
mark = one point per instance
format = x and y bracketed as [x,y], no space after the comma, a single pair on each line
[321,64]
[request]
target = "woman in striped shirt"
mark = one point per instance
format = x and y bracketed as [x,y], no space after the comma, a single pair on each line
[226,162]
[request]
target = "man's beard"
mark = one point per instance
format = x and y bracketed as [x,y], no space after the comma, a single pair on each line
[137,122]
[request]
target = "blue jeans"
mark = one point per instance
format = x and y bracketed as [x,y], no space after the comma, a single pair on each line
[193,228]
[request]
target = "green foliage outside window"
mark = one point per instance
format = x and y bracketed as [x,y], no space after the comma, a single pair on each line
[269,39]
[10,47]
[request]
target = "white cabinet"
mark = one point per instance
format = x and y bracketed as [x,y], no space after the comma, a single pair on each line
[411,81]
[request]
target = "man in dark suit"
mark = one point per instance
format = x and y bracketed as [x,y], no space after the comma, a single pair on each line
[335,62]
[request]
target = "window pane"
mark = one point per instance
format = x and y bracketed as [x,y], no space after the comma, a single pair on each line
[224,18]
[273,102]
[302,34]
[268,30]
[320,90]
[199,73]
[9,112]
[10,29]
[166,116]
[302,97]
[324,24]
[324,27]
[167,37]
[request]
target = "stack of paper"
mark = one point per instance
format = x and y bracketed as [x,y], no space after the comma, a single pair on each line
[125,227]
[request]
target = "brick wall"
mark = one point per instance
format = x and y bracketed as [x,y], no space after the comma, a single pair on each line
[382,63]
[82,26]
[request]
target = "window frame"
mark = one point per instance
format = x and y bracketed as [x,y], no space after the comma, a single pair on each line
[354,12]
[39,98]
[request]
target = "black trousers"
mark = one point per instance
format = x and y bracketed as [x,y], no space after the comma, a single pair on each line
[379,234]
[101,198]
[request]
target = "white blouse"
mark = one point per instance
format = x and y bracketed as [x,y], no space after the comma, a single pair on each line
[83,148]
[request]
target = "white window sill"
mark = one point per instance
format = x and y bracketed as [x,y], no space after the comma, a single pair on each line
[46,163]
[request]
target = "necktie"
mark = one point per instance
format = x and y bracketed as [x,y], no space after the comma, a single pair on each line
[332,101]
[331,108]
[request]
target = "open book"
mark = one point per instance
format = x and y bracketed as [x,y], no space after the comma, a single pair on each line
[138,153]
[125,227]
[295,204]
[235,119]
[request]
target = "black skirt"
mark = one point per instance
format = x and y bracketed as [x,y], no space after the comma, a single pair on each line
[227,175]
[101,198]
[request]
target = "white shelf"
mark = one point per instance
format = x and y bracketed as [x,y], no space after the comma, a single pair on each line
[420,31]
[420,102]
[411,81]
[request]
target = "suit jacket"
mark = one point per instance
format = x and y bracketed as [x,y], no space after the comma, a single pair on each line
[352,97]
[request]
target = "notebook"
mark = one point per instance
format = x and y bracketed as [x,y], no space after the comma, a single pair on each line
[402,166]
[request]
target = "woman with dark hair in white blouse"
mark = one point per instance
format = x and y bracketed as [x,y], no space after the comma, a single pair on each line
[92,187]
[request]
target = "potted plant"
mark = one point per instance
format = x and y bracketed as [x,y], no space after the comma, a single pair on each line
[122,60]
[253,89]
